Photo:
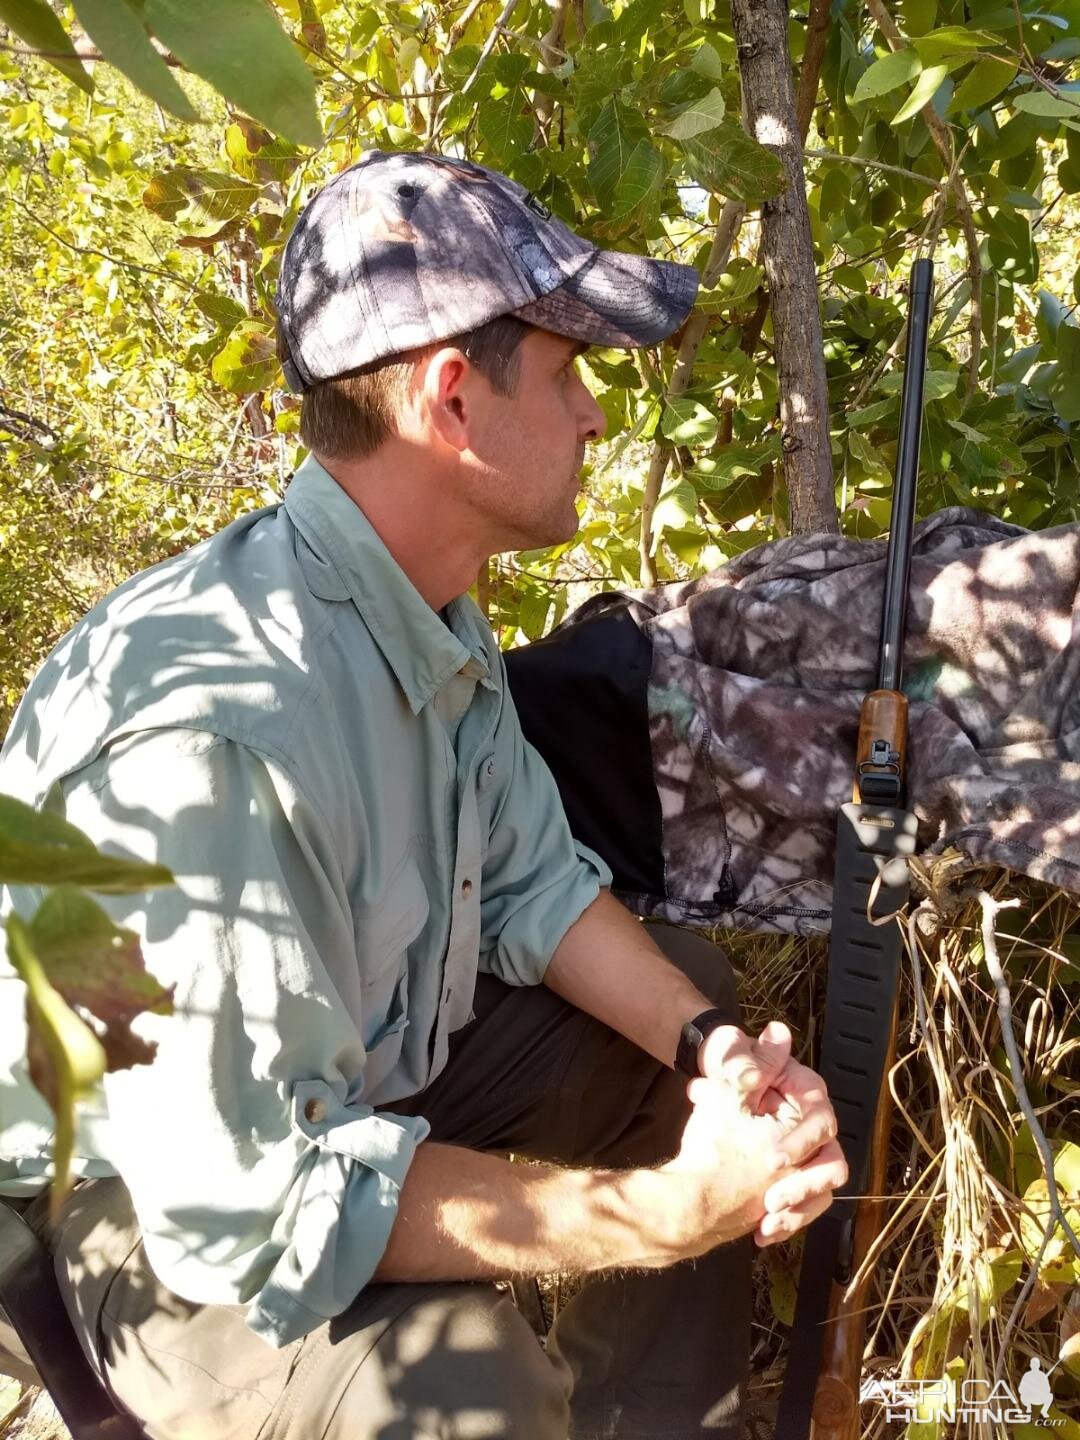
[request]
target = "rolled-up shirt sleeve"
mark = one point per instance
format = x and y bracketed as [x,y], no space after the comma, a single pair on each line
[258,1173]
[536,878]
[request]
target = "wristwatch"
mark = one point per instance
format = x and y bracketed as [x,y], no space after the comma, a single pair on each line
[693,1036]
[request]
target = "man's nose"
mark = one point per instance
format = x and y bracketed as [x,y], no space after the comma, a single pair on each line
[596,421]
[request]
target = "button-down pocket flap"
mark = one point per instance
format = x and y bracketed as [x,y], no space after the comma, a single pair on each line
[386,931]
[485,773]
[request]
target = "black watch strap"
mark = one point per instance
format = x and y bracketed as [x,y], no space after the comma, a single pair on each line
[693,1034]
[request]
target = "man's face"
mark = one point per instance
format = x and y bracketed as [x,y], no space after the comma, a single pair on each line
[528,448]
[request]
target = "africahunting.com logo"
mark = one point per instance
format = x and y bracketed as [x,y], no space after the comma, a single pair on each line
[968,1399]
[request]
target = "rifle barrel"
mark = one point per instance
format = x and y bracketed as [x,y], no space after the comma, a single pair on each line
[898,558]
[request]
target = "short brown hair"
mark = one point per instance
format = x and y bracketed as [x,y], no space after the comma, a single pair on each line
[349,416]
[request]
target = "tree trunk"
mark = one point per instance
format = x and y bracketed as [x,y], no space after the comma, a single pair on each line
[788,254]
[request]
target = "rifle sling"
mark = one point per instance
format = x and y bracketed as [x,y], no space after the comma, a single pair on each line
[863,972]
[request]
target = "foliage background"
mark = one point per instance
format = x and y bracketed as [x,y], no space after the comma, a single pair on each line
[141,406]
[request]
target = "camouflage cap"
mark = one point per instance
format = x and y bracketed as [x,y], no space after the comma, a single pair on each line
[404,249]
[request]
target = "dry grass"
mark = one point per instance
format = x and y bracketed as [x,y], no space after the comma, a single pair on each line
[30,1416]
[970,1274]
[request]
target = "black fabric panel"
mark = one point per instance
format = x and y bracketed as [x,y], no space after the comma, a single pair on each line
[581,694]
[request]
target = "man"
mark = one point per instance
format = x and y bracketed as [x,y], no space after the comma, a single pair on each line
[308,721]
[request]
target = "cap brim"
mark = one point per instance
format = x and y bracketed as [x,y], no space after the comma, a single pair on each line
[618,300]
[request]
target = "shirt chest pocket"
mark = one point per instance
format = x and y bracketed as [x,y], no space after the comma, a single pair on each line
[384,932]
[486,790]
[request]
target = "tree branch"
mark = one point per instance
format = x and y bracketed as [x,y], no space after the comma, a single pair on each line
[788,254]
[552,55]
[103,254]
[874,165]
[817,37]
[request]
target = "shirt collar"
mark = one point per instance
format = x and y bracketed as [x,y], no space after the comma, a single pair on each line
[422,652]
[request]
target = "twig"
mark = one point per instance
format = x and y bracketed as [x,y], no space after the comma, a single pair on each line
[78,54]
[489,43]
[817,37]
[874,165]
[102,254]
[990,908]
[942,138]
[727,227]
[461,23]
[20,417]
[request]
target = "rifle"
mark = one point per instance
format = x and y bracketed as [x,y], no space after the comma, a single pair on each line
[875,835]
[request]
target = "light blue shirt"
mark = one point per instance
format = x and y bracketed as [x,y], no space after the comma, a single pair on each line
[339,782]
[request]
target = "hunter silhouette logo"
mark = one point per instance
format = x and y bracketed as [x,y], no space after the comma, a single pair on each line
[946,1399]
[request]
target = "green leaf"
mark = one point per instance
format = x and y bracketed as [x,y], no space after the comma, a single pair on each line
[39,848]
[509,70]
[1049,316]
[1012,247]
[699,116]
[719,471]
[952,40]
[707,62]
[99,967]
[927,87]
[533,614]
[504,129]
[676,508]
[940,384]
[985,80]
[732,163]
[685,422]
[612,140]
[203,202]
[458,64]
[871,414]
[65,1058]
[782,1292]
[34,22]
[459,111]
[121,37]
[221,310]
[1065,393]
[256,155]
[248,360]
[1038,102]
[937,384]
[239,47]
[641,183]
[896,68]
[871,463]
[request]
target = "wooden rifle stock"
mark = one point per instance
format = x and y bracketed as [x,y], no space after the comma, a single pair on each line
[835,1414]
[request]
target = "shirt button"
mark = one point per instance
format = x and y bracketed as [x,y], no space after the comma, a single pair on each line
[315,1111]
[466,888]
[489,769]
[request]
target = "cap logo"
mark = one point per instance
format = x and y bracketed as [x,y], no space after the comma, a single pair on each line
[537,207]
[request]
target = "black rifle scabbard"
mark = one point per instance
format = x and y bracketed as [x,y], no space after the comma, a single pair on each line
[872,841]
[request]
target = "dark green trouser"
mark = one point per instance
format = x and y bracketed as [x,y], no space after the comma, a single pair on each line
[646,1354]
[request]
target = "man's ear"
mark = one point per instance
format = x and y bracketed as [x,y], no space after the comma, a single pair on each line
[448,391]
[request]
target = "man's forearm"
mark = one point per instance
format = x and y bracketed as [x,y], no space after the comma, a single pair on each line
[464,1215]
[608,965]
